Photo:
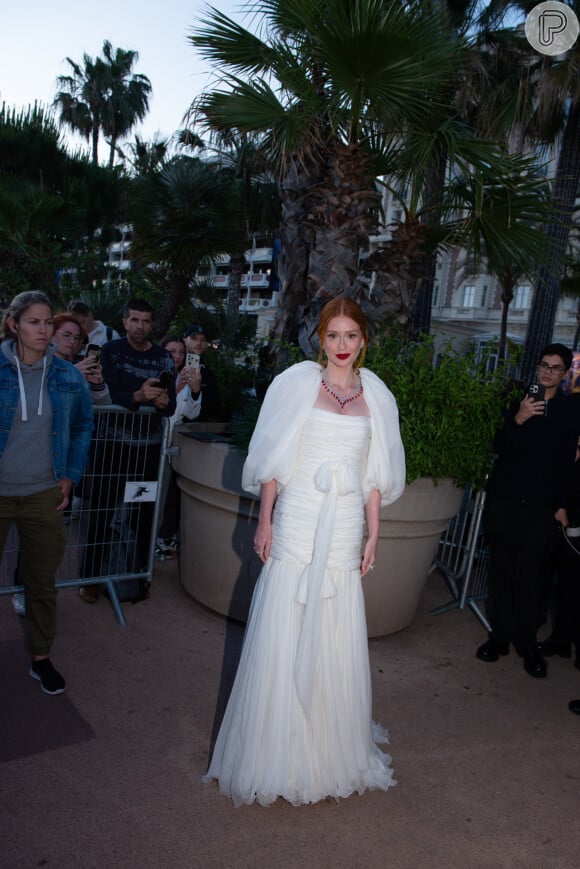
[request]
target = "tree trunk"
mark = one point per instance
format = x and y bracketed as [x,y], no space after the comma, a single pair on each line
[549,278]
[435,189]
[112,147]
[177,295]
[422,309]
[296,241]
[330,210]
[507,294]
[95,140]
[237,263]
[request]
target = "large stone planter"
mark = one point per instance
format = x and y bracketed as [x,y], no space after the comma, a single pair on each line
[408,536]
[219,568]
[217,563]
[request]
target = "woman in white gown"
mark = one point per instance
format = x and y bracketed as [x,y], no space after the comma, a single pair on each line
[327,453]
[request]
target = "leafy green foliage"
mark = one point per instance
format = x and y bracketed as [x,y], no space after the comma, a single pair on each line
[243,424]
[234,382]
[50,203]
[449,412]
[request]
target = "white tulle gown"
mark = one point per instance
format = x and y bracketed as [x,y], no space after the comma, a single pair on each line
[298,722]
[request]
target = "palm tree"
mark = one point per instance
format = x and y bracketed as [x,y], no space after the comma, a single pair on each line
[145,157]
[50,201]
[327,84]
[81,99]
[503,223]
[539,105]
[128,99]
[551,271]
[180,224]
[240,158]
[101,95]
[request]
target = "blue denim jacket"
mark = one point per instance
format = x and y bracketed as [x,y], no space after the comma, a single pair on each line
[72,414]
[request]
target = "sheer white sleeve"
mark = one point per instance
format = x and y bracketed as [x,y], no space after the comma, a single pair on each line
[385,469]
[274,444]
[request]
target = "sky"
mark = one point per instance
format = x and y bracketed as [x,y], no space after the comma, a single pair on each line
[37,36]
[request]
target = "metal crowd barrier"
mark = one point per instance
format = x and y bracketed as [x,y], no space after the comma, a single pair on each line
[462,557]
[113,517]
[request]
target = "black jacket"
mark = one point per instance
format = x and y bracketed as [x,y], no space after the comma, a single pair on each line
[534,461]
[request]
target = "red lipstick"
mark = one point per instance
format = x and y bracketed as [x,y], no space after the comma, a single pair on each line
[342,355]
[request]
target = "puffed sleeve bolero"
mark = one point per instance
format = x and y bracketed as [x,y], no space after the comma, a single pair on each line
[288,401]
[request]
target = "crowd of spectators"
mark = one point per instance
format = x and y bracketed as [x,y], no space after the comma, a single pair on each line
[54,368]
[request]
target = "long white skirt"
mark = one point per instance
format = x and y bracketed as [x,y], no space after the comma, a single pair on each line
[268,745]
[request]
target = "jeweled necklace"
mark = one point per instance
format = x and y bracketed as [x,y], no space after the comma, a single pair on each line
[342,398]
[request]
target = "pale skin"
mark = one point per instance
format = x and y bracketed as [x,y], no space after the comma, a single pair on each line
[138,325]
[87,321]
[33,332]
[187,375]
[194,344]
[342,344]
[528,408]
[68,340]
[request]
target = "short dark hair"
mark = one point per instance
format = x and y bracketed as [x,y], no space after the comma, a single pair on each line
[560,350]
[137,304]
[78,307]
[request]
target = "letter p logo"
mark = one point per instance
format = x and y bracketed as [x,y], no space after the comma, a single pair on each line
[552,28]
[550,23]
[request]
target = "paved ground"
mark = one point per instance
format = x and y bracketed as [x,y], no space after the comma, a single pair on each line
[108,775]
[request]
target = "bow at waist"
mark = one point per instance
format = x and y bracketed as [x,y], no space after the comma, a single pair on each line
[337,477]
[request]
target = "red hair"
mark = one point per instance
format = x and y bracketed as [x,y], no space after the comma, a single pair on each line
[343,307]
[60,319]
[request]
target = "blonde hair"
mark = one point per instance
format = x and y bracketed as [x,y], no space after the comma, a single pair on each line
[343,307]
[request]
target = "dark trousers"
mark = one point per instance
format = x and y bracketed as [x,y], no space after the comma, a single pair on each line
[518,534]
[171,508]
[111,465]
[566,627]
[42,540]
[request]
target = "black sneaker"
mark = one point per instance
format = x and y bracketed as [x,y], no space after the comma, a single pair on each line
[50,679]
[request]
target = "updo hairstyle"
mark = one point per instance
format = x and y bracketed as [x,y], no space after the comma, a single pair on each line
[343,307]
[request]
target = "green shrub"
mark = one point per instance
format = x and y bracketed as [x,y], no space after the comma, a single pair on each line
[449,412]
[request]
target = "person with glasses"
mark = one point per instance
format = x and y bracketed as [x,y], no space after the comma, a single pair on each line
[69,338]
[527,490]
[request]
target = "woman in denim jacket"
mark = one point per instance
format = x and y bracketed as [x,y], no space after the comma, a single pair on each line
[46,422]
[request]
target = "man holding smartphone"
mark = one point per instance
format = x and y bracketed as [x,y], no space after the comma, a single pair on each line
[535,452]
[139,374]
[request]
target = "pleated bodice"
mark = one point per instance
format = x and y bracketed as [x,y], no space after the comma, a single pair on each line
[333,448]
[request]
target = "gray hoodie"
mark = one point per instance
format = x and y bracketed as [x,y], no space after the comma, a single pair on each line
[26,463]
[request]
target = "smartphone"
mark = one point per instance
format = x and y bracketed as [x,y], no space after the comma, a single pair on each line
[537,391]
[163,380]
[94,351]
[192,360]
